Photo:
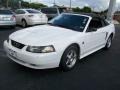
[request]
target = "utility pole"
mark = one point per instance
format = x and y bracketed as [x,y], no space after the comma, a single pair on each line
[54,3]
[7,3]
[70,4]
[111,10]
[20,4]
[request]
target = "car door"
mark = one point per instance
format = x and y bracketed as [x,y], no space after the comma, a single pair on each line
[19,16]
[94,36]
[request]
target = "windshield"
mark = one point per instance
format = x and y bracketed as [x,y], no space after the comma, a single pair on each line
[61,10]
[49,10]
[74,22]
[5,12]
[33,11]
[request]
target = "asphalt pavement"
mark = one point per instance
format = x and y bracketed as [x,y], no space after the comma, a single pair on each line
[99,71]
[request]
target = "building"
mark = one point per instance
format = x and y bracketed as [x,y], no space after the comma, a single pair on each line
[117,16]
[9,4]
[2,3]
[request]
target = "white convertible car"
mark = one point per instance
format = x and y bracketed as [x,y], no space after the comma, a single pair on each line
[60,43]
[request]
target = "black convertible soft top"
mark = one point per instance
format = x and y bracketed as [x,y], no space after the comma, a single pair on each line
[93,15]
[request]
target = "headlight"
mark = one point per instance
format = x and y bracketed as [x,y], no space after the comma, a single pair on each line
[42,49]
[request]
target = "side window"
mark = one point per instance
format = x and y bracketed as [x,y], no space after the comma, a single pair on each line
[105,23]
[19,12]
[22,12]
[94,25]
[61,10]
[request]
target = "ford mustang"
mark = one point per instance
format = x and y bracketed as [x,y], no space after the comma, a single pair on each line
[61,43]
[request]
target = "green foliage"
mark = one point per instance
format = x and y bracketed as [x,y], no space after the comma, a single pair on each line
[84,9]
[14,4]
[87,9]
[32,5]
[25,4]
[9,3]
[36,5]
[2,3]
[77,9]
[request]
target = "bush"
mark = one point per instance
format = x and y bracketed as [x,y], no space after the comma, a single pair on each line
[84,9]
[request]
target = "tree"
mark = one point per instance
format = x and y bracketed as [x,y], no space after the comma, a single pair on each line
[32,5]
[77,9]
[14,4]
[37,5]
[87,9]
[3,3]
[7,3]
[84,9]
[25,4]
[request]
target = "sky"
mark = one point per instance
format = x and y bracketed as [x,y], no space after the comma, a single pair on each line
[97,5]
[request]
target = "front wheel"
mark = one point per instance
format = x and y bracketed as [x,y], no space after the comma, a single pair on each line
[109,43]
[69,58]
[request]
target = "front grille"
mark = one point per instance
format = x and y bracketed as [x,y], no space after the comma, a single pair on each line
[17,45]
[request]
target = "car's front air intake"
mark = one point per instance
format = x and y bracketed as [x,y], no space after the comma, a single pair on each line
[17,45]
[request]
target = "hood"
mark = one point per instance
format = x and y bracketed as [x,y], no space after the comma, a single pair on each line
[41,35]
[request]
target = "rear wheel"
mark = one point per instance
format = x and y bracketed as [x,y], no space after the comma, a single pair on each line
[69,58]
[24,23]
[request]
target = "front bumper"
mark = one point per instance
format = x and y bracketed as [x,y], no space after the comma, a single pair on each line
[32,60]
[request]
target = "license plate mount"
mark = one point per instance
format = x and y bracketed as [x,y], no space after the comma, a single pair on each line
[12,53]
[6,18]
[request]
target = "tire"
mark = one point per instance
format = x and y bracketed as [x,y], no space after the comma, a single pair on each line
[69,58]
[13,27]
[24,24]
[109,43]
